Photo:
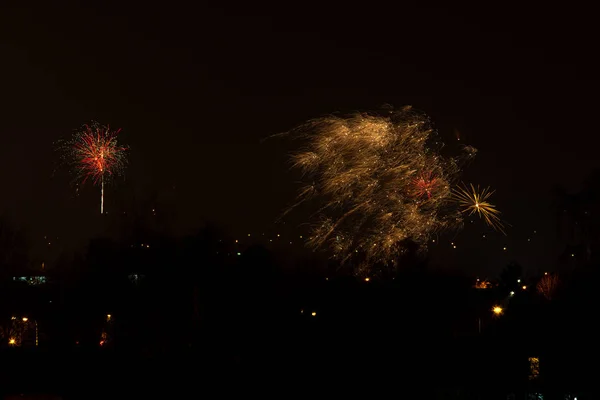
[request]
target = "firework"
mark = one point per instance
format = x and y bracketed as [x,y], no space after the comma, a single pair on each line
[94,154]
[425,184]
[547,286]
[380,182]
[472,200]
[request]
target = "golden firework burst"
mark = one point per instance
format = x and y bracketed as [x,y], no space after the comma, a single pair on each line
[473,200]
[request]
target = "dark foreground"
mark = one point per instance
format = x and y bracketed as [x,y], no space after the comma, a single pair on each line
[416,338]
[403,368]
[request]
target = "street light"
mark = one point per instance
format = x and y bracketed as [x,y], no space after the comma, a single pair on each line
[497,310]
[25,319]
[12,341]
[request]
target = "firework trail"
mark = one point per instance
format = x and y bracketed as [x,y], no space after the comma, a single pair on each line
[93,154]
[380,182]
[548,285]
[473,200]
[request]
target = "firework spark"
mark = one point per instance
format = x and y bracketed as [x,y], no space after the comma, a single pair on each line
[425,184]
[547,286]
[94,154]
[472,200]
[381,182]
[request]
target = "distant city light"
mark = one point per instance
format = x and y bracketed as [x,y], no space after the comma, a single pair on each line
[108,317]
[239,254]
[504,249]
[12,341]
[524,287]
[518,281]
[248,235]
[278,235]
[572,255]
[512,293]
[545,273]
[25,319]
[367,279]
[497,310]
[31,280]
[314,314]
[236,240]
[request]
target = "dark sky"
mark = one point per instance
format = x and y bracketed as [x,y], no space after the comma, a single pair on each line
[195,89]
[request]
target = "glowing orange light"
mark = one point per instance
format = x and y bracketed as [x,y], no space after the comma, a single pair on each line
[25,319]
[524,287]
[497,310]
[367,279]
[314,314]
[12,341]
[483,284]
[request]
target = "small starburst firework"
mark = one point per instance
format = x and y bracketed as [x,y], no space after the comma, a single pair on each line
[425,184]
[379,181]
[93,153]
[472,200]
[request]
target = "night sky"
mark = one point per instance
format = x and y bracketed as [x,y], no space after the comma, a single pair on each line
[195,90]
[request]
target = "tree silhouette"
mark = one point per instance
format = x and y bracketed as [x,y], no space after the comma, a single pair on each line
[510,275]
[13,248]
[578,218]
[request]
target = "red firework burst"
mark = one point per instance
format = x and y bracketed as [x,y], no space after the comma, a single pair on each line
[424,185]
[95,152]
